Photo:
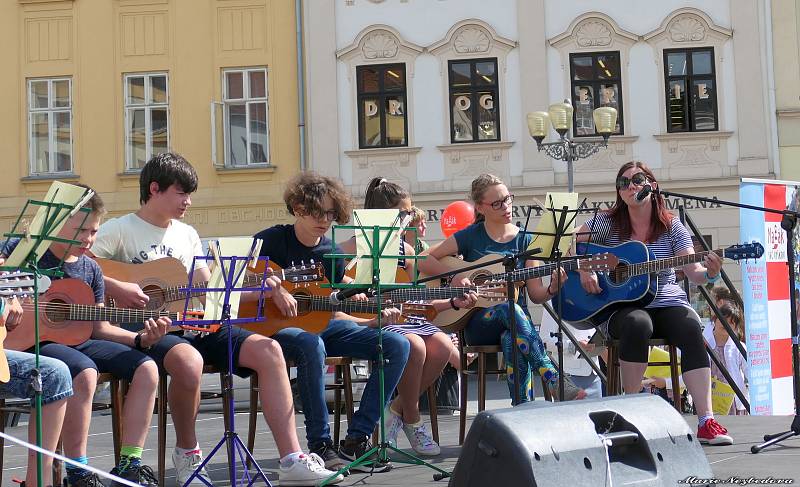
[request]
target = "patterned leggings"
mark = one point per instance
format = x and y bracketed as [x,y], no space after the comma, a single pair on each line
[491,325]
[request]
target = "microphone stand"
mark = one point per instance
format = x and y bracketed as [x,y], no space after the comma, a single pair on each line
[788,222]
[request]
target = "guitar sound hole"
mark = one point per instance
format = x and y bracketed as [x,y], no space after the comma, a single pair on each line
[619,274]
[157,298]
[56,311]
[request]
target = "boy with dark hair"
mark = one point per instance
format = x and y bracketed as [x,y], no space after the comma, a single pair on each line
[110,349]
[153,232]
[316,202]
[56,388]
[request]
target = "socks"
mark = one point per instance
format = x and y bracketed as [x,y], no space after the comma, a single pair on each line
[189,451]
[702,419]
[291,458]
[129,456]
[76,473]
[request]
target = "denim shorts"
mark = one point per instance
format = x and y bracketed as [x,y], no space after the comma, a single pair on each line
[56,379]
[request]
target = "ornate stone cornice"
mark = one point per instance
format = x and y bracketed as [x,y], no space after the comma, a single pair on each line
[470,37]
[688,25]
[593,30]
[378,42]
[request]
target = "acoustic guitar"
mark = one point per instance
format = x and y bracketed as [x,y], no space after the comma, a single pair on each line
[633,281]
[494,277]
[165,280]
[20,285]
[66,313]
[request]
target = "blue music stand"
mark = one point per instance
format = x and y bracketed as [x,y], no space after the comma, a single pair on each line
[230,438]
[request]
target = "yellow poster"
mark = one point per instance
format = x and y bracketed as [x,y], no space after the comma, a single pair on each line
[659,355]
[721,396]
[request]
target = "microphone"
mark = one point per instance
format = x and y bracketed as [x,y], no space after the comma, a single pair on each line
[339,296]
[642,194]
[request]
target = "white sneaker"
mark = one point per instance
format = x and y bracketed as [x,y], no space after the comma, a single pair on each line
[392,424]
[185,465]
[308,470]
[421,440]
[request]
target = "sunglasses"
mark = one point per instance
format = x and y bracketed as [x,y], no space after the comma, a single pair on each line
[496,205]
[638,179]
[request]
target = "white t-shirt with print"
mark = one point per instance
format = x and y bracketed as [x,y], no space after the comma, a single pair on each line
[132,240]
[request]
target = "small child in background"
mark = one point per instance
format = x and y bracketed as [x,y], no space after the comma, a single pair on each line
[720,341]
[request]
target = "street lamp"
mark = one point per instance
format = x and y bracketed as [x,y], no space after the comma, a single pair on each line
[565,149]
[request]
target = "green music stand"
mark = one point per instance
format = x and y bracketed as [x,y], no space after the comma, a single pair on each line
[61,202]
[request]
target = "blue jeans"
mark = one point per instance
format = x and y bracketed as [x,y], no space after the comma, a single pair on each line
[56,380]
[490,326]
[349,339]
[307,351]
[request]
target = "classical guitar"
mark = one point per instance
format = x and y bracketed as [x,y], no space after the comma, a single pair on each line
[490,283]
[165,281]
[632,281]
[66,313]
[21,285]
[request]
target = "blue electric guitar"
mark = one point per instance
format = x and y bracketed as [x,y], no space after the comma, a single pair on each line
[632,281]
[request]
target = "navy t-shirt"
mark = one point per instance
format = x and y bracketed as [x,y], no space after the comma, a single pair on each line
[280,244]
[84,268]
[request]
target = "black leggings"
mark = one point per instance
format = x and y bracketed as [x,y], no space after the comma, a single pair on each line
[679,325]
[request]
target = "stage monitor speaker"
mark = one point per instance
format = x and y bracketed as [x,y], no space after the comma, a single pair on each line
[623,440]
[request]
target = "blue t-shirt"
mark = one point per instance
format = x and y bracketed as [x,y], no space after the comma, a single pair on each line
[474,243]
[84,268]
[281,245]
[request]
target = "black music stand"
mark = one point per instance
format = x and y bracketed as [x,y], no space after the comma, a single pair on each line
[232,277]
[50,217]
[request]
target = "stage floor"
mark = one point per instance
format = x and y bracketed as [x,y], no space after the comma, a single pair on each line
[726,462]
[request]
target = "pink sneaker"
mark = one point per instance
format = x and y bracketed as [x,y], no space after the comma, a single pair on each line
[713,433]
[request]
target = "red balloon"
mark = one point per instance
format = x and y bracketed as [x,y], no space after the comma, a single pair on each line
[457,215]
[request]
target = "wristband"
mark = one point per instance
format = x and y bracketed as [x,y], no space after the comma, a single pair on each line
[712,279]
[453,304]
[137,343]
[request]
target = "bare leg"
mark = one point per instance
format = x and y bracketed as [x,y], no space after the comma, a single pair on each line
[632,374]
[265,357]
[406,404]
[79,411]
[139,402]
[52,421]
[698,383]
[184,364]
[438,349]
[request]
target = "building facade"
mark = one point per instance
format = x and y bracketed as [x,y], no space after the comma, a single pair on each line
[432,101]
[786,71]
[92,88]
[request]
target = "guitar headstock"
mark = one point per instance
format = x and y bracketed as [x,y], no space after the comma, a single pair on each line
[752,250]
[300,273]
[419,310]
[492,291]
[599,262]
[22,284]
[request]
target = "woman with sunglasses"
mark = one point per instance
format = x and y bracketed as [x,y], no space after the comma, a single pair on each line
[669,315]
[430,349]
[494,233]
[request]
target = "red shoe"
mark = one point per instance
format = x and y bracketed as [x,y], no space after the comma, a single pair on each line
[713,433]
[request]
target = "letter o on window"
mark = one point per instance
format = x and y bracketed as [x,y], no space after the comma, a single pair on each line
[487,102]
[463,103]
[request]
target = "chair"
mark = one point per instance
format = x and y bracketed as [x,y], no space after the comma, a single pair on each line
[482,372]
[117,398]
[614,384]
[342,383]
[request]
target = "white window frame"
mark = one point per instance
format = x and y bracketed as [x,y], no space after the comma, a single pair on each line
[247,100]
[148,107]
[51,138]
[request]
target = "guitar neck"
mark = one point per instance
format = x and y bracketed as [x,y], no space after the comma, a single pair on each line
[653,266]
[81,312]
[423,294]
[178,293]
[519,275]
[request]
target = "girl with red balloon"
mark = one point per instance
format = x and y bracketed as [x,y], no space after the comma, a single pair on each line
[494,233]
[430,348]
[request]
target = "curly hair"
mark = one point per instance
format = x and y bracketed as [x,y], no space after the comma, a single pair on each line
[308,189]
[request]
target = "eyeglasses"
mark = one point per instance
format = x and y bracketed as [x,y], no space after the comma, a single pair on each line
[496,205]
[638,179]
[329,215]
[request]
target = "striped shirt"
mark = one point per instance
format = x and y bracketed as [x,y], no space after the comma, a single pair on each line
[670,243]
